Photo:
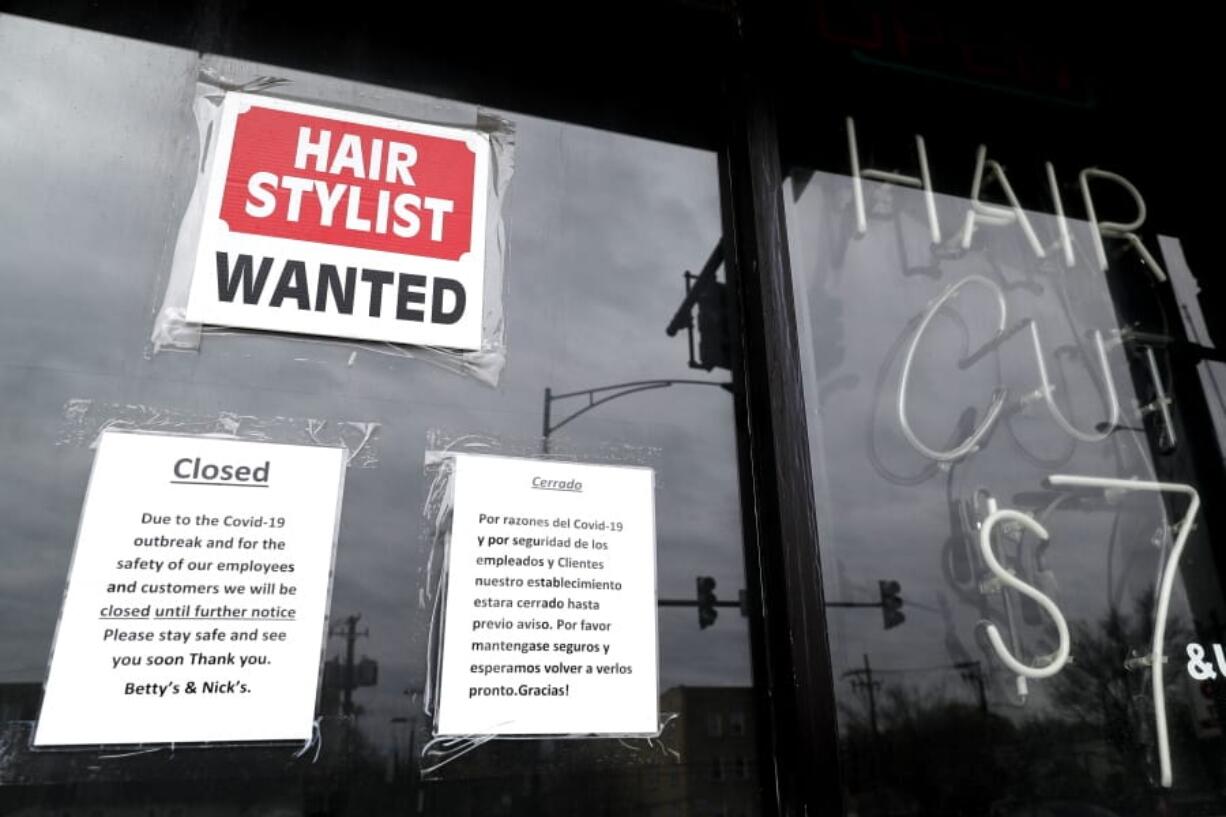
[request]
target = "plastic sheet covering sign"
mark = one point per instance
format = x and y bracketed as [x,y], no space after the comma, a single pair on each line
[197,595]
[550,612]
[328,222]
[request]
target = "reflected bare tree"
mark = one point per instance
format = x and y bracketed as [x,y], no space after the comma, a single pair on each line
[1087,743]
[1106,698]
[933,754]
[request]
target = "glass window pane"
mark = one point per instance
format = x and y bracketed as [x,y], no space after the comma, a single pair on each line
[959,387]
[98,146]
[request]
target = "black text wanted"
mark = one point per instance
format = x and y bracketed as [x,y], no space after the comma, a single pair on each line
[339,289]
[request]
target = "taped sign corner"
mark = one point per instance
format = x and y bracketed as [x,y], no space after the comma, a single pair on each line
[330,222]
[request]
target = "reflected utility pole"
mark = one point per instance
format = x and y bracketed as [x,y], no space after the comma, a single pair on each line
[349,679]
[863,679]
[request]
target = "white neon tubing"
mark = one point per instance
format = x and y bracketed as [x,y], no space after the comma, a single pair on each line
[1116,229]
[1066,241]
[924,180]
[1060,657]
[992,214]
[1021,685]
[930,201]
[890,176]
[1150,261]
[998,401]
[968,229]
[1113,401]
[1111,227]
[1166,586]
[1017,208]
[1095,231]
[857,186]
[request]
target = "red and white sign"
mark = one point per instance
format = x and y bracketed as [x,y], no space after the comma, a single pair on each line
[327,222]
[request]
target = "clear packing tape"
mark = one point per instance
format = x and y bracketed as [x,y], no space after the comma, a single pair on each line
[85,420]
[171,329]
[440,756]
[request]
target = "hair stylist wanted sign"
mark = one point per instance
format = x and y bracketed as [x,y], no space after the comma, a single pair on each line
[328,222]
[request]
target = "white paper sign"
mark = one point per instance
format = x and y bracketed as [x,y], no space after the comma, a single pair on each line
[331,222]
[550,616]
[198,593]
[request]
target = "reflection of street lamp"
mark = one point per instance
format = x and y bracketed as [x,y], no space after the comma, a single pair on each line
[706,293]
[603,394]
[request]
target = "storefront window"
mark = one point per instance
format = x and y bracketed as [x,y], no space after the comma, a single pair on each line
[934,433]
[97,165]
[994,471]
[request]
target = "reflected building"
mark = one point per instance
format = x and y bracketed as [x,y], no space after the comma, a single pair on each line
[717,771]
[20,701]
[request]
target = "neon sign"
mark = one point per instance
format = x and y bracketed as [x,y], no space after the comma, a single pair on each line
[983,215]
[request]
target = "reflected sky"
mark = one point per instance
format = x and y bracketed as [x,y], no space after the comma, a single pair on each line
[98,146]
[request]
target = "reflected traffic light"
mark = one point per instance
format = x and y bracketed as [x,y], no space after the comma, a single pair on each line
[706,602]
[891,603]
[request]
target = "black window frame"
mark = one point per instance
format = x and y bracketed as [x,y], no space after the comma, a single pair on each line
[715,74]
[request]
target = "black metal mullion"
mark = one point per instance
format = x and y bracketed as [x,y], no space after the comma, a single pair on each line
[764,654]
[784,574]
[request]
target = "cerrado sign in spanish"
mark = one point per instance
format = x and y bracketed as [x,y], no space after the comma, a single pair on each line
[550,613]
[328,222]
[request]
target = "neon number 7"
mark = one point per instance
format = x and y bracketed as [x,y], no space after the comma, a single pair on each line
[1165,587]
